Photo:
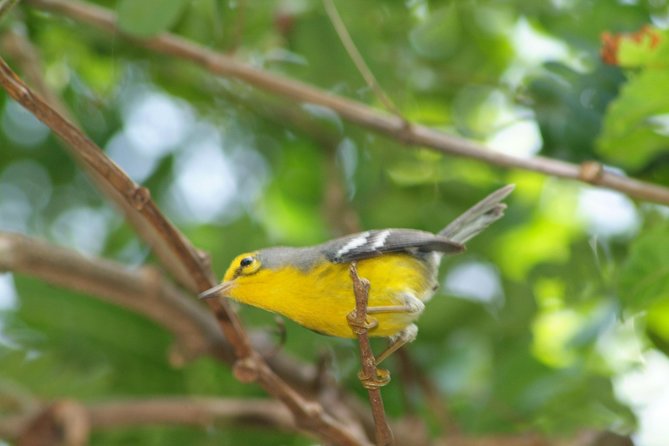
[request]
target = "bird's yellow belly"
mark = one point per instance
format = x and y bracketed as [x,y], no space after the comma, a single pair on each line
[322,298]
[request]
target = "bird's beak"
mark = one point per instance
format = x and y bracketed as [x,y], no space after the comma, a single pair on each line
[219,290]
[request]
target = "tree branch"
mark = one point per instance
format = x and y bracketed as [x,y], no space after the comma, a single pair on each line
[192,411]
[130,194]
[121,189]
[356,112]
[144,291]
[358,319]
[27,58]
[70,422]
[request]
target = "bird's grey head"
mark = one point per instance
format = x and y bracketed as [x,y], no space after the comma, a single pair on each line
[302,258]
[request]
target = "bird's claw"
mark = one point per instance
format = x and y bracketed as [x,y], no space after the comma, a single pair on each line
[381,378]
[358,328]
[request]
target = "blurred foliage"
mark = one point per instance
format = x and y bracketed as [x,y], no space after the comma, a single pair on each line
[579,290]
[145,19]
[638,118]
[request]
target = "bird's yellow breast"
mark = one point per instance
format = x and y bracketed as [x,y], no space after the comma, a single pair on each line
[320,298]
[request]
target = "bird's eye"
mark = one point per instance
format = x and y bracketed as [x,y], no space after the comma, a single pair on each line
[246,261]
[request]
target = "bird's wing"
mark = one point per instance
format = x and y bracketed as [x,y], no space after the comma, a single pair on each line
[376,242]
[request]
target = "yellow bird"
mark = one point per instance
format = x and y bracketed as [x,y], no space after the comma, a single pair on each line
[311,285]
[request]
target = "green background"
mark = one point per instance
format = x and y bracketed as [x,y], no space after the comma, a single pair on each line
[573,292]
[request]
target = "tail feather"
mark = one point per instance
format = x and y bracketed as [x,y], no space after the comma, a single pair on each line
[478,217]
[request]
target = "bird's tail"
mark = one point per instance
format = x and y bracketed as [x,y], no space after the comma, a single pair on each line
[478,217]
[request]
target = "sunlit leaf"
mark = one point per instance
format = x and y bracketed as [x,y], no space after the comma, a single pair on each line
[635,129]
[647,47]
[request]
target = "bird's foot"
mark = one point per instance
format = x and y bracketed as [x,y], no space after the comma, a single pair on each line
[381,378]
[358,326]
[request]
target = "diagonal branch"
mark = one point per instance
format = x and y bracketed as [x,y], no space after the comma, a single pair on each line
[250,366]
[20,49]
[136,199]
[54,264]
[356,112]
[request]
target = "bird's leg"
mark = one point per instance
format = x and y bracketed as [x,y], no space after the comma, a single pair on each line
[412,305]
[374,382]
[371,376]
[380,377]
[398,341]
[357,326]
[383,375]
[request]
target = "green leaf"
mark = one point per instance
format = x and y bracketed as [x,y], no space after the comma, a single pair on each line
[149,17]
[650,48]
[644,278]
[632,134]
[657,325]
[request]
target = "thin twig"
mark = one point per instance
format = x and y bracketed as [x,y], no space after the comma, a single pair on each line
[356,57]
[356,112]
[384,435]
[254,368]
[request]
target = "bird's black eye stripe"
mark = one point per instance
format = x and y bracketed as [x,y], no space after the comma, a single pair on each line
[246,261]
